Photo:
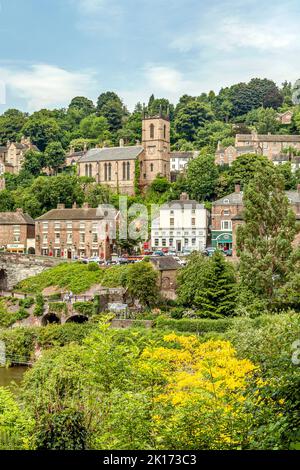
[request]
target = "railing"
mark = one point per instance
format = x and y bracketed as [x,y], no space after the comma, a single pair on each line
[19,360]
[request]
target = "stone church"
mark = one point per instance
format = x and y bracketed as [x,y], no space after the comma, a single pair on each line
[120,167]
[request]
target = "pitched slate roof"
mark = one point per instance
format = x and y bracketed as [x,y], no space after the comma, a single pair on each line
[190,154]
[237,198]
[165,263]
[15,218]
[76,214]
[112,153]
[268,137]
[183,204]
[233,198]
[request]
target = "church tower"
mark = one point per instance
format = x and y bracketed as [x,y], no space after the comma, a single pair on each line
[156,143]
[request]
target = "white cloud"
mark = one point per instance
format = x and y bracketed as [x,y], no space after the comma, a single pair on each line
[89,7]
[98,16]
[164,81]
[44,85]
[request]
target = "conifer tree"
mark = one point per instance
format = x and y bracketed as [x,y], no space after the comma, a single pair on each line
[264,241]
[208,285]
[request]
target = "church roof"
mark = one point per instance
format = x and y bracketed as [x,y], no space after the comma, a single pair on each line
[112,153]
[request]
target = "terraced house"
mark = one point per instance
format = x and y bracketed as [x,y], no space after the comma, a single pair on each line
[76,233]
[227,214]
[275,147]
[17,232]
[13,154]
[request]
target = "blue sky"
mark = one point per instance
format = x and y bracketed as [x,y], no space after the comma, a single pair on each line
[52,50]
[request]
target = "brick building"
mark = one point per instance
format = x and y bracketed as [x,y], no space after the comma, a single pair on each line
[237,219]
[272,146]
[167,268]
[223,211]
[77,232]
[285,118]
[120,167]
[17,232]
[12,156]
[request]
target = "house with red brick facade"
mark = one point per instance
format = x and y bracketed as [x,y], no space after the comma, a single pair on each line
[17,232]
[294,200]
[78,232]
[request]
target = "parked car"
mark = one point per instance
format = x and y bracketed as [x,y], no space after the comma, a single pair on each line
[158,253]
[209,251]
[228,252]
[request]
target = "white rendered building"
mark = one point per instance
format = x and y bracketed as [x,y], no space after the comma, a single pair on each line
[182,226]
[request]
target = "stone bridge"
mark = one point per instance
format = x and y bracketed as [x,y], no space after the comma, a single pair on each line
[16,267]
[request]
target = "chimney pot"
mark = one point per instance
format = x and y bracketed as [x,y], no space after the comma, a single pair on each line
[121,143]
[74,205]
[237,188]
[184,197]
[86,205]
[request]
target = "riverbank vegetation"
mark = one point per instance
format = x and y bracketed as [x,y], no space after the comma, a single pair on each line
[100,388]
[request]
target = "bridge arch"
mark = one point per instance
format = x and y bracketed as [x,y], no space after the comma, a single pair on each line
[50,319]
[3,279]
[77,319]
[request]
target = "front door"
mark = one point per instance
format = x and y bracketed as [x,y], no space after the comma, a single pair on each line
[178,245]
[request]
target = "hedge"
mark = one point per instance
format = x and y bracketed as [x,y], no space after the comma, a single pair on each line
[194,326]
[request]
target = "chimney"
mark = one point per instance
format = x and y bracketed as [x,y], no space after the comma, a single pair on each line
[137,142]
[85,205]
[219,146]
[74,205]
[61,206]
[298,188]
[121,143]
[184,197]
[19,211]
[237,188]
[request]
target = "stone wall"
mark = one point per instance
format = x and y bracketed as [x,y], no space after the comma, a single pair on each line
[14,268]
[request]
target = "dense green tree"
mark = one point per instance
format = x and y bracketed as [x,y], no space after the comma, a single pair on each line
[11,123]
[6,201]
[208,285]
[264,241]
[141,282]
[202,176]
[41,130]
[190,117]
[82,104]
[246,166]
[54,156]
[34,162]
[264,120]
[93,127]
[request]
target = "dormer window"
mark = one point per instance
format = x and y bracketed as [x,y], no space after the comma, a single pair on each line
[226,201]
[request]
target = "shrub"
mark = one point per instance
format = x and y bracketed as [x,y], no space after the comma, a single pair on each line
[199,326]
[39,305]
[27,302]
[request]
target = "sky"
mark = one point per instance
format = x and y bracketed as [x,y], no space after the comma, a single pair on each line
[53,50]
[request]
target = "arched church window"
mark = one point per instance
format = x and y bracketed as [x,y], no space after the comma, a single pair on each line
[151,167]
[165,131]
[151,131]
[86,170]
[124,171]
[109,172]
[128,171]
[105,171]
